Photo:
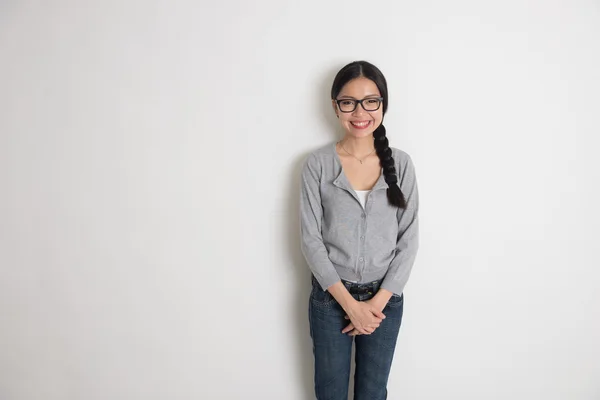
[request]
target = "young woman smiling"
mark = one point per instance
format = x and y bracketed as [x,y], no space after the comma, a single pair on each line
[359,228]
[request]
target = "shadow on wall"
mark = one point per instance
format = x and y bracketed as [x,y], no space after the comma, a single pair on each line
[303,356]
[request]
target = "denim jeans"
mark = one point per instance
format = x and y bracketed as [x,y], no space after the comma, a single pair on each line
[332,349]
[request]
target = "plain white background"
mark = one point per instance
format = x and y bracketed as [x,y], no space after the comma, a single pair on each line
[149,180]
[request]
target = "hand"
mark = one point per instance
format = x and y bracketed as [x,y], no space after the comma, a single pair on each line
[379,305]
[365,317]
[350,328]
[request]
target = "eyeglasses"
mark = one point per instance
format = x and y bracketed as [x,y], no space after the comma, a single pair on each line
[368,104]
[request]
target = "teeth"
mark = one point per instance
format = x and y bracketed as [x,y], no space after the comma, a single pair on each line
[360,123]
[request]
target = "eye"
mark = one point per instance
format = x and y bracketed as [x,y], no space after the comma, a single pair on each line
[372,101]
[347,102]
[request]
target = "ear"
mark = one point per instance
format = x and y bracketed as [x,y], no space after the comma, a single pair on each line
[334,105]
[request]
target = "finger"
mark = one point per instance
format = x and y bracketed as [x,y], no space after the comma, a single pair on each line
[376,316]
[348,328]
[355,332]
[378,313]
[366,331]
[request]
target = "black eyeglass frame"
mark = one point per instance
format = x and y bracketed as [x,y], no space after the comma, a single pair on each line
[357,102]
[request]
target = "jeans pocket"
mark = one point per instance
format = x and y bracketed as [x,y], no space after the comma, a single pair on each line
[321,297]
[396,300]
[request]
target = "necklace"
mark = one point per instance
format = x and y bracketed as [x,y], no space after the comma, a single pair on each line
[361,161]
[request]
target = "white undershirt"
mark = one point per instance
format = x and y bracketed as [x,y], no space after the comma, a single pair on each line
[362,196]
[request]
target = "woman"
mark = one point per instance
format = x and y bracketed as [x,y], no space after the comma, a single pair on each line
[359,226]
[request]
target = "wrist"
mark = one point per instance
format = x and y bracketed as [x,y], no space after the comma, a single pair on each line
[343,297]
[381,298]
[349,304]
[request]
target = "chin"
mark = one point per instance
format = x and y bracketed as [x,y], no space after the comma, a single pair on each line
[360,134]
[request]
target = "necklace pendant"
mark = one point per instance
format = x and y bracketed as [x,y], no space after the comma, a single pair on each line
[360,161]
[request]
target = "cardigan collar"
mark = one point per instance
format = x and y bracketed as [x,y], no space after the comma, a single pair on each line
[341,180]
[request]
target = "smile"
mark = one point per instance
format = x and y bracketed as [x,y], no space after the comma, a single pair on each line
[360,124]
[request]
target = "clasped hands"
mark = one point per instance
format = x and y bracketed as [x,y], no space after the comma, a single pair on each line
[365,317]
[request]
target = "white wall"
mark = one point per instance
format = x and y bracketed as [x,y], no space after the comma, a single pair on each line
[150,155]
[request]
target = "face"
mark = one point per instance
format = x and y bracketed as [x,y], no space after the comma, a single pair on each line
[359,123]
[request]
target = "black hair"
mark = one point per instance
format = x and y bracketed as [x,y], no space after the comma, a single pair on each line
[367,70]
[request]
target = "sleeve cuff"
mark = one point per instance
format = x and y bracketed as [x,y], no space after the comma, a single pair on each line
[327,280]
[392,286]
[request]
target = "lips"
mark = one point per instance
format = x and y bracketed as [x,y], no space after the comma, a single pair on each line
[360,124]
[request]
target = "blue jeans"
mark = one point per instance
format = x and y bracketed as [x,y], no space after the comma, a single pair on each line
[332,349]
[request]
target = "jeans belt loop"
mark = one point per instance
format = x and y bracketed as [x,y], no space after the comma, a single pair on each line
[376,286]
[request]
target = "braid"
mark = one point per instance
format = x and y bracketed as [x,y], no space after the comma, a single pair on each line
[382,148]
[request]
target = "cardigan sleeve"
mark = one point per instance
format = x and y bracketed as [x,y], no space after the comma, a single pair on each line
[311,214]
[407,242]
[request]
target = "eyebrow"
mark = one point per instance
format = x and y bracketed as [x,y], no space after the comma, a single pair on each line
[369,95]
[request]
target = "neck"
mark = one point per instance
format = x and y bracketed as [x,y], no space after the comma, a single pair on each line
[358,146]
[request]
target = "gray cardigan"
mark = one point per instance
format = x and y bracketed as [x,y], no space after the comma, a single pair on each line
[340,239]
